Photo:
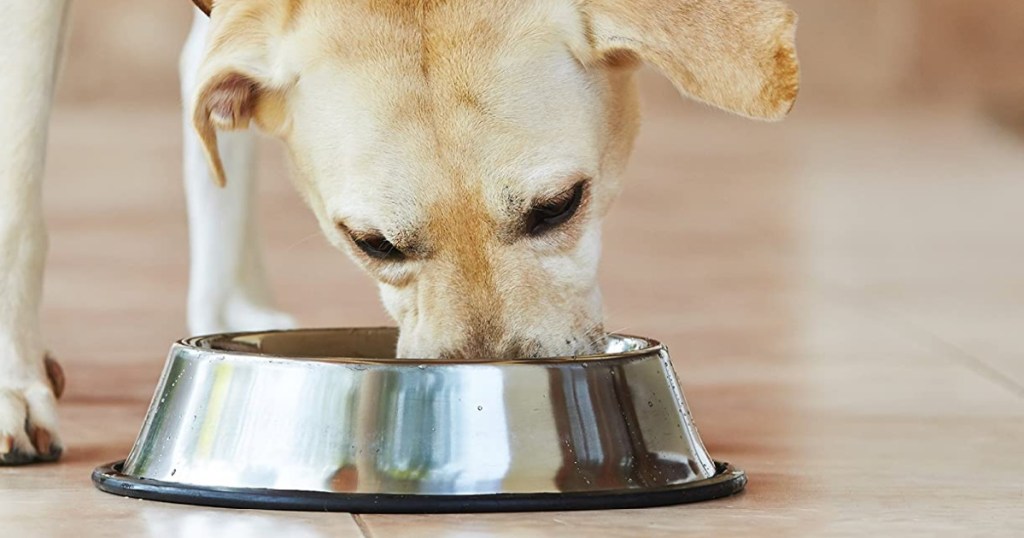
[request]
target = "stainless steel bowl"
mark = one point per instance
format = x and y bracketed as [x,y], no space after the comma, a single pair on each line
[317,420]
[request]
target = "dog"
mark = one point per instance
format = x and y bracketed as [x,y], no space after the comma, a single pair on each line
[463,152]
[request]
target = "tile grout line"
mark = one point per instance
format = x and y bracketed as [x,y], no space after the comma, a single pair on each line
[363,527]
[963,356]
[928,337]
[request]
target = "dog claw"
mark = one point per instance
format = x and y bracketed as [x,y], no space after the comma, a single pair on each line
[56,375]
[46,449]
[17,457]
[10,454]
[43,442]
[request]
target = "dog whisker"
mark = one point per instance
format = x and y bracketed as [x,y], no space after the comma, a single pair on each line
[600,337]
[301,241]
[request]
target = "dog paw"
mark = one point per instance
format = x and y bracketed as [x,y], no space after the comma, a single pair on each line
[28,418]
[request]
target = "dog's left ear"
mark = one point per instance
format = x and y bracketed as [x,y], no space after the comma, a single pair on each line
[738,55]
[226,101]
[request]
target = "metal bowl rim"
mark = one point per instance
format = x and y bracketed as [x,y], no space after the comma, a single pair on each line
[195,343]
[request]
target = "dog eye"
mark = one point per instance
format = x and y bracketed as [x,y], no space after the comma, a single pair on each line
[377,246]
[551,213]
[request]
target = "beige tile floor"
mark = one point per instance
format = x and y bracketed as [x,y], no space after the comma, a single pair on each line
[843,295]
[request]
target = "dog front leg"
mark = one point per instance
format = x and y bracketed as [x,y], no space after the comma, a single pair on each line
[30,43]
[227,285]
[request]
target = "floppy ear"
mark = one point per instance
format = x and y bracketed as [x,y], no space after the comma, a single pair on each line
[226,101]
[738,55]
[234,85]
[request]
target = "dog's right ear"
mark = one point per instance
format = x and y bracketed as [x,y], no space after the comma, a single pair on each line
[738,55]
[235,85]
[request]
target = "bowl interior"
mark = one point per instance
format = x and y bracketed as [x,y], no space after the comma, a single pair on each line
[375,344]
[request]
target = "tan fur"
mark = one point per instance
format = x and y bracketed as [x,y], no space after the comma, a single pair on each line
[735,54]
[439,123]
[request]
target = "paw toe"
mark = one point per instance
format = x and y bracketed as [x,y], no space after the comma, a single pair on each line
[13,452]
[28,425]
[47,448]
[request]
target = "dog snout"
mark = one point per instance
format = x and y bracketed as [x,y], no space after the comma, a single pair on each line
[489,352]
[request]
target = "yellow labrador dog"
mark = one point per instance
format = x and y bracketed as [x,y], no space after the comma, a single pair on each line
[463,152]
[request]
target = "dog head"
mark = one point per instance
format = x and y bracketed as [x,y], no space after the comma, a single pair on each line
[464,152]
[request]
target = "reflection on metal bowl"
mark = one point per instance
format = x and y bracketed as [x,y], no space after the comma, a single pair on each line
[317,420]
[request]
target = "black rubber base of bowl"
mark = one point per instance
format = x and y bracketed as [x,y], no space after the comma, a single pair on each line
[108,478]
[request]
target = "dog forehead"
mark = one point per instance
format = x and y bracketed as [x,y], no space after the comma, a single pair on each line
[460,41]
[422,105]
[355,26]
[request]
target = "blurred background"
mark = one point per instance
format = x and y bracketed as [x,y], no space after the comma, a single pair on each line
[851,276]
